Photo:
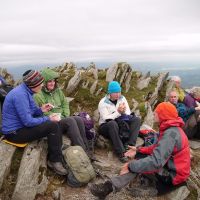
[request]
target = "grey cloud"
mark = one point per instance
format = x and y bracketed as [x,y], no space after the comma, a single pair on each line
[99,30]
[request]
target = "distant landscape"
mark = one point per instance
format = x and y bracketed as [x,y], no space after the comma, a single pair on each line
[190,75]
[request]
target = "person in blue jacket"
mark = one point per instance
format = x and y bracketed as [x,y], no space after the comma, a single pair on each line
[189,115]
[23,121]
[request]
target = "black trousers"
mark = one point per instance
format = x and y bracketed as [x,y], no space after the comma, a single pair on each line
[110,130]
[48,129]
[74,127]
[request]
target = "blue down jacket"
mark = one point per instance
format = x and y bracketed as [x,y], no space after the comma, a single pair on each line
[20,110]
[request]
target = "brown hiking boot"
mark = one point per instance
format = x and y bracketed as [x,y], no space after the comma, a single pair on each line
[101,190]
[57,167]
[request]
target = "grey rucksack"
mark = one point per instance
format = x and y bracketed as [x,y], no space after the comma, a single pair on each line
[80,169]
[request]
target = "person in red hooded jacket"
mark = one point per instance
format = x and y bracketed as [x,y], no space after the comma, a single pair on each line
[167,161]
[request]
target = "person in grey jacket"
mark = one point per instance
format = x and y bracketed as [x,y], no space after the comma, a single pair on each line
[167,161]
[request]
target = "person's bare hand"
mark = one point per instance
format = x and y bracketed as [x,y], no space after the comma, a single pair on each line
[198,106]
[124,169]
[54,117]
[122,108]
[46,107]
[131,152]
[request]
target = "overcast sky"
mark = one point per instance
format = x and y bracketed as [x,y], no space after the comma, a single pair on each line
[58,31]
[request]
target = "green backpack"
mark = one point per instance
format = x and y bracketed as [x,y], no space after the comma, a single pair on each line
[80,169]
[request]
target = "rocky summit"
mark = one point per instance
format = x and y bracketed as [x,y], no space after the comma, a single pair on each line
[24,173]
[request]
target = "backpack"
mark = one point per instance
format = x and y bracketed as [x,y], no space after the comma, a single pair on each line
[80,169]
[150,137]
[89,124]
[124,129]
[124,126]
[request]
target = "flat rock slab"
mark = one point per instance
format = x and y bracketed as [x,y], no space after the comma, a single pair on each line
[180,193]
[194,144]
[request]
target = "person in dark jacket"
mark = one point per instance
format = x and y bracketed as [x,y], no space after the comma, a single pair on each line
[167,161]
[4,89]
[23,121]
[189,115]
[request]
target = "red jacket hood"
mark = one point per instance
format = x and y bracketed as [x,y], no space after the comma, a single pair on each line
[171,123]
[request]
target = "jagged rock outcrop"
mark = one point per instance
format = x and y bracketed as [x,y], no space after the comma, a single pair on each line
[73,82]
[161,78]
[92,69]
[134,104]
[121,72]
[93,87]
[31,176]
[149,118]
[143,83]
[7,76]
[6,154]
[169,87]
[111,73]
[89,88]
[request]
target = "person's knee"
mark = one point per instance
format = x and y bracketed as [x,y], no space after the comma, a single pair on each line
[53,126]
[112,124]
[113,127]
[69,121]
[136,120]
[79,120]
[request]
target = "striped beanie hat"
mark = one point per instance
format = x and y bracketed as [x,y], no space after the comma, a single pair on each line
[32,78]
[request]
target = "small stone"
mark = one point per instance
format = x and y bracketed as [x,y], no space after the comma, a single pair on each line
[139,142]
[104,166]
[56,194]
[194,144]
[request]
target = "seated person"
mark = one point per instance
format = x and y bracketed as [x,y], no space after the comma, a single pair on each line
[51,93]
[23,120]
[112,107]
[167,162]
[177,87]
[192,97]
[2,81]
[189,115]
[4,89]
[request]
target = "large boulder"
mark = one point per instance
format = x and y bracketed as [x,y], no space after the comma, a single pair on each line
[31,178]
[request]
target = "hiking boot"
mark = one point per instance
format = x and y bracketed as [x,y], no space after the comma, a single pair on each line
[101,190]
[126,147]
[65,146]
[57,167]
[123,158]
